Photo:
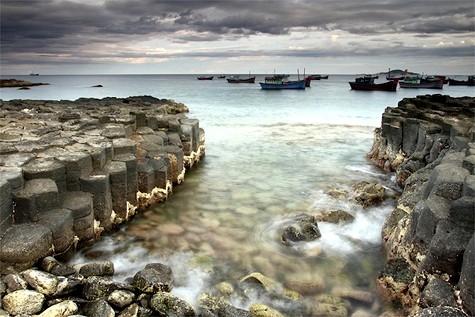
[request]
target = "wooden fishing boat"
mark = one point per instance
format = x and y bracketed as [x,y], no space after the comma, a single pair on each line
[222,76]
[469,82]
[278,82]
[205,77]
[418,82]
[367,83]
[237,80]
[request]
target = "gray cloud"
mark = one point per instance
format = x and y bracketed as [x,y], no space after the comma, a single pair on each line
[47,28]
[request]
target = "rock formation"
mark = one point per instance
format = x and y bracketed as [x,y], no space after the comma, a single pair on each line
[70,170]
[429,142]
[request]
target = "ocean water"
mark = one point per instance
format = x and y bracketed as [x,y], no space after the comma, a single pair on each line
[270,155]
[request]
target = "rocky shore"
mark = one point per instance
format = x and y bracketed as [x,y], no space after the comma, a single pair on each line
[429,142]
[70,170]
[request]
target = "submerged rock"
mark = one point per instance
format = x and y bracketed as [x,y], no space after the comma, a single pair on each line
[368,194]
[303,228]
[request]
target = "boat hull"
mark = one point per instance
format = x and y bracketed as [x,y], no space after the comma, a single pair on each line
[286,85]
[439,84]
[387,86]
[454,82]
[250,80]
[205,78]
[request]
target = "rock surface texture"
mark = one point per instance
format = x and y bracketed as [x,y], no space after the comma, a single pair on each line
[429,142]
[70,170]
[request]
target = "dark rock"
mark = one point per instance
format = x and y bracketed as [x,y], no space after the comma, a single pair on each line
[102,268]
[25,243]
[171,305]
[438,293]
[467,281]
[98,308]
[303,228]
[155,277]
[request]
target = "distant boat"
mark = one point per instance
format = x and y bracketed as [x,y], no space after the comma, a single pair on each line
[205,77]
[469,82]
[278,82]
[419,82]
[222,76]
[237,80]
[318,77]
[34,74]
[367,83]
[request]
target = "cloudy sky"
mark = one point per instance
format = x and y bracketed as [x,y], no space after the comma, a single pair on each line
[236,36]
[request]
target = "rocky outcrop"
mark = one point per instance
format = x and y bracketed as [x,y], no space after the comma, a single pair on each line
[70,170]
[429,142]
[18,83]
[56,289]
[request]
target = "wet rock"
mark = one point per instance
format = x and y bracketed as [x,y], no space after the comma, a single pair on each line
[95,287]
[101,268]
[335,216]
[303,228]
[262,310]
[354,294]
[368,194]
[437,293]
[155,277]
[26,302]
[66,308]
[393,282]
[98,308]
[168,304]
[53,266]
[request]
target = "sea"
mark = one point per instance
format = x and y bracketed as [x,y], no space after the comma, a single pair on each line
[270,156]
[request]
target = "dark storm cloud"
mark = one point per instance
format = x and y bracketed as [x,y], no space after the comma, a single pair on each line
[59,27]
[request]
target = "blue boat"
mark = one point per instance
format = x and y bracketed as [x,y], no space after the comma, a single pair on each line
[278,82]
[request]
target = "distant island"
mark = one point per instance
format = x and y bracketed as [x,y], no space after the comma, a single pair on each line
[18,83]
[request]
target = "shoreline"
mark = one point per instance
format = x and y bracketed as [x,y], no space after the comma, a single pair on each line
[146,121]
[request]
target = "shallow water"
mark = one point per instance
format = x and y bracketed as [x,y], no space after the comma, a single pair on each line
[270,155]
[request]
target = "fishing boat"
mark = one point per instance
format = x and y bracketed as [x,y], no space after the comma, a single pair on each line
[237,80]
[420,82]
[278,82]
[318,77]
[469,82]
[222,76]
[205,77]
[367,83]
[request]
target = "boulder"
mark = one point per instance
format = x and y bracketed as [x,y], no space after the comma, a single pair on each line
[23,302]
[303,228]
[368,194]
[155,277]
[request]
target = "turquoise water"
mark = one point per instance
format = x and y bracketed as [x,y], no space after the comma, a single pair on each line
[269,156]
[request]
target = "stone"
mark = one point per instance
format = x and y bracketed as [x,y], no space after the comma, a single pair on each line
[171,305]
[99,268]
[438,293]
[37,196]
[26,302]
[66,308]
[335,216]
[15,282]
[262,310]
[155,277]
[441,312]
[53,266]
[26,243]
[303,228]
[43,282]
[368,194]
[98,308]
[121,298]
[467,282]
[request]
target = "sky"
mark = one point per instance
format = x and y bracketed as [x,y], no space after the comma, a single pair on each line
[236,36]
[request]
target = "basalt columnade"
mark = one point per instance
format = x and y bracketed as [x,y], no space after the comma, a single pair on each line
[70,170]
[429,142]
